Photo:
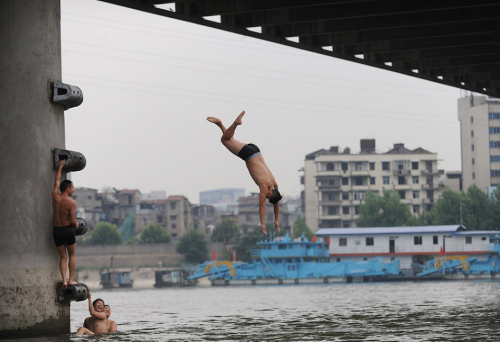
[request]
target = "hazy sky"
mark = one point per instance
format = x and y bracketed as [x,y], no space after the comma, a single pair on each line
[149,82]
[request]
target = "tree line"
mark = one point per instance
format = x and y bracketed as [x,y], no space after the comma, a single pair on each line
[472,208]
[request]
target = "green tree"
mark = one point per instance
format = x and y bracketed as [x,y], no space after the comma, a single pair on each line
[154,234]
[495,208]
[476,209]
[193,247]
[226,231]
[446,210]
[247,242]
[300,227]
[347,150]
[383,211]
[133,241]
[105,233]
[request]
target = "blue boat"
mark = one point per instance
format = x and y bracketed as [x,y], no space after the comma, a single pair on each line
[463,267]
[287,261]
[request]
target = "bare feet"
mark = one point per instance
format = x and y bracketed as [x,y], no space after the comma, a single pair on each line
[72,282]
[64,285]
[239,120]
[214,120]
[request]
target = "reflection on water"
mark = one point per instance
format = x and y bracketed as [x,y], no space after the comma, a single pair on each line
[423,311]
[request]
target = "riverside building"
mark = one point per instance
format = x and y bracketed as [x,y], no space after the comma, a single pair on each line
[335,184]
[409,245]
[479,118]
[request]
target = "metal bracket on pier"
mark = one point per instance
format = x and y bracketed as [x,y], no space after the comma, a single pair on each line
[75,161]
[77,292]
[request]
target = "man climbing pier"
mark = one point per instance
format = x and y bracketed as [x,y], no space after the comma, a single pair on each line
[64,208]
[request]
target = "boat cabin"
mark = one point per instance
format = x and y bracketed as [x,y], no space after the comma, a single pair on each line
[407,244]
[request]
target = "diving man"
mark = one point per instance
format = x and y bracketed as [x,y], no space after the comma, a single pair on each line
[257,167]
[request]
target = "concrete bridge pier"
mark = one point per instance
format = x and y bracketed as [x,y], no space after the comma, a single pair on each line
[30,126]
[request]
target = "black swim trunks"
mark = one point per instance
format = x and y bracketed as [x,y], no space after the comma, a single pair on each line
[248,152]
[64,235]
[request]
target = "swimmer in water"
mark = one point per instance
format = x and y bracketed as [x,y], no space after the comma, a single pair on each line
[257,167]
[99,322]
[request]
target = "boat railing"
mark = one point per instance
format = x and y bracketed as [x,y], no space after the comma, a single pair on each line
[255,253]
[414,249]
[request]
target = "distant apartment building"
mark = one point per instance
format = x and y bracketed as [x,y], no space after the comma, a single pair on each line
[452,180]
[127,199]
[173,214]
[178,214]
[145,215]
[89,206]
[249,217]
[223,199]
[335,184]
[205,218]
[479,118]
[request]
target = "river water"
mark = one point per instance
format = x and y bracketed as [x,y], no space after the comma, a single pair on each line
[399,311]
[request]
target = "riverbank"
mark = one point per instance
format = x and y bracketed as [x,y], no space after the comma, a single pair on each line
[143,277]
[134,256]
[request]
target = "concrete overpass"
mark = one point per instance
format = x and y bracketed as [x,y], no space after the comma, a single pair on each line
[452,42]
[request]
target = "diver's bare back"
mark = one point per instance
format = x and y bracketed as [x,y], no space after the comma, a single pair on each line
[260,173]
[62,210]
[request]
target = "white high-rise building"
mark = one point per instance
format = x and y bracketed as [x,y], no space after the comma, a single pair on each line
[335,184]
[479,118]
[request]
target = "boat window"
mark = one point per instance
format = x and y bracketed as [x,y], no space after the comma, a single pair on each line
[282,247]
[308,246]
[338,259]
[369,241]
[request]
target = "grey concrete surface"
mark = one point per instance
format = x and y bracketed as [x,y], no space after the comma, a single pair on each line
[30,126]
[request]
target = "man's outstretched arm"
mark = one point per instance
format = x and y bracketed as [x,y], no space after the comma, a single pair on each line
[262,208]
[55,191]
[277,216]
[93,313]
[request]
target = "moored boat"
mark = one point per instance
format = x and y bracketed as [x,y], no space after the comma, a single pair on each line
[299,261]
[459,267]
[116,279]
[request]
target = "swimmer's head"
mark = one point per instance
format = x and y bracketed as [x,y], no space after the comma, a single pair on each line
[67,185]
[98,304]
[107,310]
[274,196]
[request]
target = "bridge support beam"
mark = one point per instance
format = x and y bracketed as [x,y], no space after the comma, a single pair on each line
[30,126]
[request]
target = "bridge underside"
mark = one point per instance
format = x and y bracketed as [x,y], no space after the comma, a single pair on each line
[452,42]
